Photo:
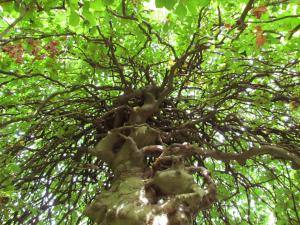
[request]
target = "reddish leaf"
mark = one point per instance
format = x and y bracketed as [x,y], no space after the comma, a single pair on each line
[15,51]
[227,25]
[51,48]
[257,12]
[258,29]
[260,40]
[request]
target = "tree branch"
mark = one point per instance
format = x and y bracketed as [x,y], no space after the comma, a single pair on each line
[241,158]
[241,20]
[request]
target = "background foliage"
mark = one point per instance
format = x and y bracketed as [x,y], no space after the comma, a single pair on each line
[234,66]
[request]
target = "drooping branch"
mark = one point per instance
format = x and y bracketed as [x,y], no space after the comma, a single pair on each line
[274,151]
[241,158]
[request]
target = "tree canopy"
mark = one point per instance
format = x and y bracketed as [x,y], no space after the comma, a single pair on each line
[228,77]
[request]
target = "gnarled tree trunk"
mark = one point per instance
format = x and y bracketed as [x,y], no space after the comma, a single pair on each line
[162,192]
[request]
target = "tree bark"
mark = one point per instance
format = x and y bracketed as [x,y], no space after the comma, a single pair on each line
[163,192]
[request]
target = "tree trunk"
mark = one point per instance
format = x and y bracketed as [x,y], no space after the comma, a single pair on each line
[158,193]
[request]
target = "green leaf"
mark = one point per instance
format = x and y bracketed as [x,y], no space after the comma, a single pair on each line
[204,3]
[159,3]
[181,10]
[8,6]
[168,4]
[74,18]
[50,4]
[171,4]
[86,8]
[88,15]
[97,5]
[74,4]
[108,2]
[192,6]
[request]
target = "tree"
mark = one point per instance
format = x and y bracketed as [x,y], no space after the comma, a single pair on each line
[150,112]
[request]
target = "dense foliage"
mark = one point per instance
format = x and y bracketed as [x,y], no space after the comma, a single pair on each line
[231,68]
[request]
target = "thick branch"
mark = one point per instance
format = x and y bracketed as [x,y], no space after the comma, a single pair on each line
[255,151]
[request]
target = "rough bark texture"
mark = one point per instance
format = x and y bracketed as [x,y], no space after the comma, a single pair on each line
[162,192]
